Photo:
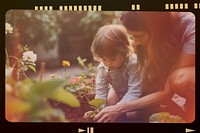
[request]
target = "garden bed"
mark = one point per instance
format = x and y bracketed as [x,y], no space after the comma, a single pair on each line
[72,114]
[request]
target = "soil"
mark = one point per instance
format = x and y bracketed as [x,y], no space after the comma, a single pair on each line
[72,114]
[77,114]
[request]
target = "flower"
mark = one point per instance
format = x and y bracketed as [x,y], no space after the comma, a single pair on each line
[9,71]
[74,80]
[29,56]
[9,28]
[65,63]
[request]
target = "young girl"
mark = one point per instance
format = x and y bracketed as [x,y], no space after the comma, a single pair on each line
[117,78]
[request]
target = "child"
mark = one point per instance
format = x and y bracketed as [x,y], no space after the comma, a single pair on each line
[117,77]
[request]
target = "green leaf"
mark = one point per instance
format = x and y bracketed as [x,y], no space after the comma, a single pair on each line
[81,61]
[32,67]
[65,97]
[45,88]
[49,115]
[14,105]
[97,102]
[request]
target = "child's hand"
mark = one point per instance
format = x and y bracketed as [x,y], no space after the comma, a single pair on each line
[89,115]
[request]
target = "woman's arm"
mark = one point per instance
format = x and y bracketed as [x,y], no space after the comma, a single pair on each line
[111,113]
[184,60]
[182,80]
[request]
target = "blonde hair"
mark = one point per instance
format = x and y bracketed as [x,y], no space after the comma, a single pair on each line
[111,40]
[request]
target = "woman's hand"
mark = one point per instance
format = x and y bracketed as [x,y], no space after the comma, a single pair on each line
[109,114]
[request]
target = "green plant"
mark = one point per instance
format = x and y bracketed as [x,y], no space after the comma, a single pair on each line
[36,27]
[8,29]
[27,100]
[98,105]
[89,69]
[24,62]
[81,87]
[93,20]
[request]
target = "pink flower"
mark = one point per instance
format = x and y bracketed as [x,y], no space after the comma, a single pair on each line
[74,81]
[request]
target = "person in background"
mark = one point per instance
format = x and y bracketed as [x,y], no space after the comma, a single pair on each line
[165,46]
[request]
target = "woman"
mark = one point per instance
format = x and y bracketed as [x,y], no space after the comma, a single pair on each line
[165,46]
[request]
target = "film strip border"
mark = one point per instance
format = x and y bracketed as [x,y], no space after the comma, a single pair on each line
[135,7]
[72,8]
[167,6]
[170,6]
[43,7]
[196,5]
[175,6]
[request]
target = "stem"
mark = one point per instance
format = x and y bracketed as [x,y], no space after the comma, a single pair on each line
[42,69]
[15,59]
[65,73]
[24,74]
[7,58]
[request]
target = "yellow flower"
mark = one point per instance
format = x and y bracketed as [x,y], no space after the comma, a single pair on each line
[65,63]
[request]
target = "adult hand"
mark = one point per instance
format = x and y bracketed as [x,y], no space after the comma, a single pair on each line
[109,114]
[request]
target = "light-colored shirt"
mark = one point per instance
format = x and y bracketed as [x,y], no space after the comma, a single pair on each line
[124,80]
[187,23]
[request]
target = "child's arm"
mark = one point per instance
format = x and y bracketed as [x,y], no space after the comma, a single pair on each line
[134,81]
[101,86]
[134,89]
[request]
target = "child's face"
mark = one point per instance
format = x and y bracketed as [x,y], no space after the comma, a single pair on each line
[113,62]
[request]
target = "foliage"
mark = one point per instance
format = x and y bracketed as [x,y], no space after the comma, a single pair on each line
[36,27]
[50,28]
[165,117]
[26,100]
[45,27]
[93,20]
[82,85]
[28,60]
[23,63]
[69,21]
[81,61]
[98,105]
[89,69]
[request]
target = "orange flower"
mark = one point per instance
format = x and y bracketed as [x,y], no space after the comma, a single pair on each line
[65,63]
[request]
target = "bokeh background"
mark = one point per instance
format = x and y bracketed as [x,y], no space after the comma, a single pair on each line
[56,35]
